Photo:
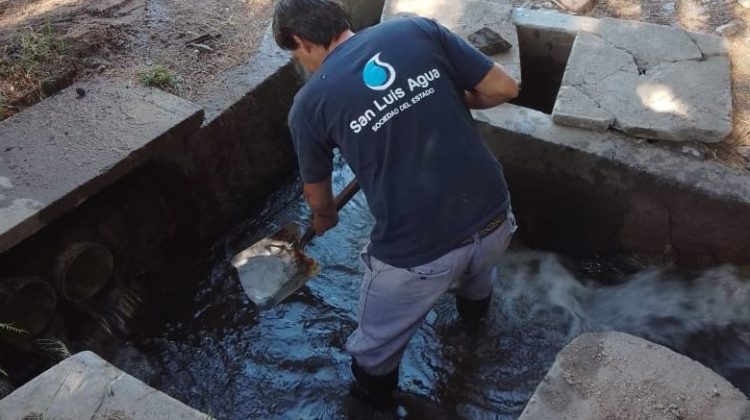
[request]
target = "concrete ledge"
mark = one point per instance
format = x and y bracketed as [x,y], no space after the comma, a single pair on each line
[618,376]
[63,150]
[85,386]
[582,192]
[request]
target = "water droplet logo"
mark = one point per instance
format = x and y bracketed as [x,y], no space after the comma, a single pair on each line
[378,75]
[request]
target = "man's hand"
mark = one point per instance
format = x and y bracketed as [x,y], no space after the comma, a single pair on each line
[323,222]
[319,197]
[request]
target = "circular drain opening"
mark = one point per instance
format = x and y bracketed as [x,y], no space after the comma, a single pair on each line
[82,269]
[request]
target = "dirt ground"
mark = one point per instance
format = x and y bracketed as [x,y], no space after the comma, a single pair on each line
[194,40]
[47,44]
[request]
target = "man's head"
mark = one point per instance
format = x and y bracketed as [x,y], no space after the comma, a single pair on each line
[308,28]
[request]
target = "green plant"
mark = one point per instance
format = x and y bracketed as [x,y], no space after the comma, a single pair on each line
[11,328]
[161,77]
[37,47]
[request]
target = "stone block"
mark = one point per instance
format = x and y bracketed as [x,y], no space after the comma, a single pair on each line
[489,42]
[619,376]
[730,29]
[63,150]
[85,386]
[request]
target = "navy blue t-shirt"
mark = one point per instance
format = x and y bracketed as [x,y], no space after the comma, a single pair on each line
[392,99]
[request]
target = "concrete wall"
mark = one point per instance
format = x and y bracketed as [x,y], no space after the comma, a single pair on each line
[582,193]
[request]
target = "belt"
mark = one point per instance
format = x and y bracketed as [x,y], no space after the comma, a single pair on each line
[493,224]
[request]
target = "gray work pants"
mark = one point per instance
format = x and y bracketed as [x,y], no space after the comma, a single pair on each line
[394,301]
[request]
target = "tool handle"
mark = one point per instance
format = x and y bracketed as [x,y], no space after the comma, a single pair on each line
[344,196]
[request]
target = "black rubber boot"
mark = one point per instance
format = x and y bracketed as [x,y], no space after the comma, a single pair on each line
[376,391]
[472,312]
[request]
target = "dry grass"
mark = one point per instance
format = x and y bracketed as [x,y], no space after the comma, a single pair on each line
[25,61]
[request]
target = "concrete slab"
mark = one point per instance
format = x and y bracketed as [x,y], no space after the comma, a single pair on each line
[618,376]
[593,59]
[575,109]
[58,153]
[465,17]
[684,101]
[676,87]
[85,386]
[666,44]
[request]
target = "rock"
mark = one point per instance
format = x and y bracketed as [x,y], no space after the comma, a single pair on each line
[668,7]
[689,150]
[744,151]
[744,3]
[489,42]
[700,12]
[730,29]
[634,379]
[578,6]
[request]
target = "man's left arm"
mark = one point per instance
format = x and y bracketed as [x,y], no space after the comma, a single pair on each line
[496,88]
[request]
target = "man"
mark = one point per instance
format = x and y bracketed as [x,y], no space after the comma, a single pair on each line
[395,99]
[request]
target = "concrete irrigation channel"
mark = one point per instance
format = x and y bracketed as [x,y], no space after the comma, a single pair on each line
[122,207]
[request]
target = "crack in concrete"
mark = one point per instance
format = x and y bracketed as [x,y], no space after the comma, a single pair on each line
[598,105]
[62,383]
[106,394]
[98,407]
[644,67]
[700,50]
[640,66]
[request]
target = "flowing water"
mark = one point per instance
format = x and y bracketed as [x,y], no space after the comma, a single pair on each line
[213,351]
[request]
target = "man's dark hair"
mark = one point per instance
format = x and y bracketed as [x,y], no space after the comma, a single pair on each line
[318,21]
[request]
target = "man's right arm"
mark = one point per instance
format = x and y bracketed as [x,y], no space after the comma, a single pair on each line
[495,88]
[319,196]
[314,154]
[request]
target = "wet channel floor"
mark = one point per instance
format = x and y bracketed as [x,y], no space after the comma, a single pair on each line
[212,350]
